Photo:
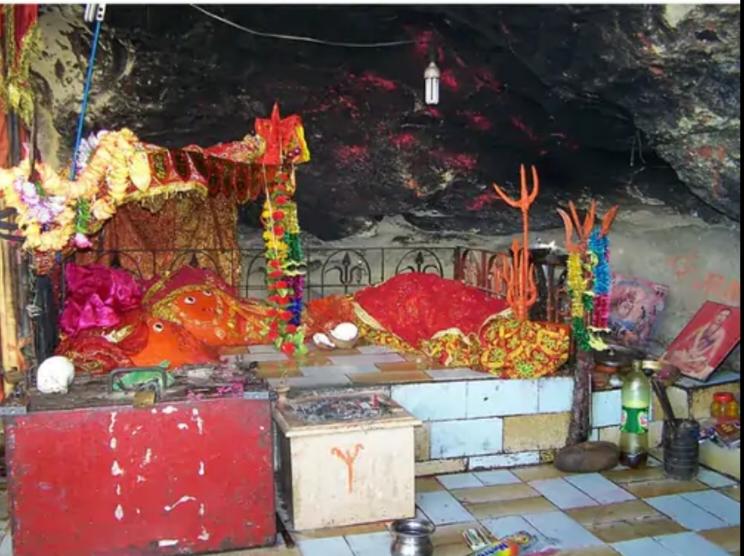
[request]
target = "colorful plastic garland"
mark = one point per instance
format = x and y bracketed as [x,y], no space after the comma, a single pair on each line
[581,300]
[600,255]
[585,270]
[285,276]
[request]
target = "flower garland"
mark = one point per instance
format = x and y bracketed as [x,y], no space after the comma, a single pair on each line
[61,209]
[285,267]
[599,249]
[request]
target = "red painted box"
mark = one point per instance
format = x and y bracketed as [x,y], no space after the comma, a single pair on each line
[183,476]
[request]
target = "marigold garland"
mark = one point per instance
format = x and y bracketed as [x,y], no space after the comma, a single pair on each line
[118,161]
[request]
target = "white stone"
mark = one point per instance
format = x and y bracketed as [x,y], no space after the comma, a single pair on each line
[55,375]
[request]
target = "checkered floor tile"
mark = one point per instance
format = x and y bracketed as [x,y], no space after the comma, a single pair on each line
[623,511]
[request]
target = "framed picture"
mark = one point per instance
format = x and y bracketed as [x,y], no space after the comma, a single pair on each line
[635,307]
[706,341]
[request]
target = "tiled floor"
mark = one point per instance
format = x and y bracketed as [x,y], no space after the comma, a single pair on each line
[627,512]
[593,514]
[361,365]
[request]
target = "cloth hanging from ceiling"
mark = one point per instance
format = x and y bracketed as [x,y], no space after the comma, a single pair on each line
[18,39]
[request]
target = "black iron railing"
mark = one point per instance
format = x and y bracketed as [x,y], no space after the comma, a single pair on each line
[342,270]
[329,270]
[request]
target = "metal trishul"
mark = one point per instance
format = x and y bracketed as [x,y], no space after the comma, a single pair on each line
[94,12]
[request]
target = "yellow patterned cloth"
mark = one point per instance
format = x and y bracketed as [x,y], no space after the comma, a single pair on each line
[524,349]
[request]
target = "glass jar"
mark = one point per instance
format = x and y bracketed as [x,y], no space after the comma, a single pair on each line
[732,409]
[721,401]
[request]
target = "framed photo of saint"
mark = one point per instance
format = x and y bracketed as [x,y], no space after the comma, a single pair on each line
[706,341]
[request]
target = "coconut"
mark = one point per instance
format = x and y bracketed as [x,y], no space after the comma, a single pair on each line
[345,335]
[346,332]
[323,341]
[55,375]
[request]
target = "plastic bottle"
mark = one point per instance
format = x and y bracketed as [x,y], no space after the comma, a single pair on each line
[636,400]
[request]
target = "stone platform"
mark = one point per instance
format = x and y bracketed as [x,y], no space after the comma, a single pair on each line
[471,420]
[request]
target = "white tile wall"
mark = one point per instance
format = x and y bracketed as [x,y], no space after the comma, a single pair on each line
[555,394]
[466,438]
[606,408]
[433,401]
[504,460]
[496,398]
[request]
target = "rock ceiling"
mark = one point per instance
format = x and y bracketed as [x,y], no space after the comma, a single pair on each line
[629,104]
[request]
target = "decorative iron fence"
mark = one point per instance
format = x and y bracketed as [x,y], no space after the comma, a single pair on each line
[344,270]
[483,269]
[329,270]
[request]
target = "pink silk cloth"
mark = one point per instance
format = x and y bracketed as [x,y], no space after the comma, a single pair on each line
[97,297]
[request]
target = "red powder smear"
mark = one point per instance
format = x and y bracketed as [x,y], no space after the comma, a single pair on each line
[478,121]
[457,161]
[414,186]
[349,103]
[404,140]
[483,200]
[374,80]
[434,112]
[336,100]
[484,79]
[708,151]
[422,42]
[449,80]
[644,40]
[349,154]
[521,126]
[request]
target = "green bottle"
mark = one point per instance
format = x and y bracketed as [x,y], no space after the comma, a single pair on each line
[636,400]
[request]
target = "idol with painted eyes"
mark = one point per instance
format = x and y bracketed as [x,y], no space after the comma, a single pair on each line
[167,342]
[213,316]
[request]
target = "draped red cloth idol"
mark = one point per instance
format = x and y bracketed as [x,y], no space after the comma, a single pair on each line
[97,297]
[416,306]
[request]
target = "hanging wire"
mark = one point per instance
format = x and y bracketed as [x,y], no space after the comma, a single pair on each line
[86,94]
[300,39]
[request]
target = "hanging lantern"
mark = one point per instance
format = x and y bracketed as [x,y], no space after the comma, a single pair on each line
[431,83]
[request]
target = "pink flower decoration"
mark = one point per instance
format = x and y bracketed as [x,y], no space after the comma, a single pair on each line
[81,241]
